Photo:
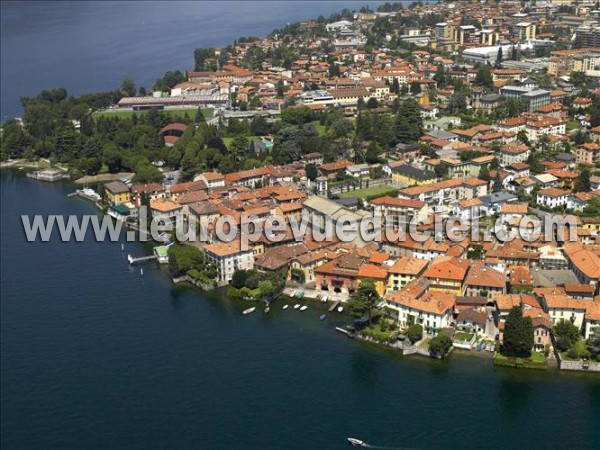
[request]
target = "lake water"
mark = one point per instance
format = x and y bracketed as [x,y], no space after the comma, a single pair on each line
[89,46]
[96,356]
[93,355]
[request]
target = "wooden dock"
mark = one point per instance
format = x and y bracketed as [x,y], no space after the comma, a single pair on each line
[334,306]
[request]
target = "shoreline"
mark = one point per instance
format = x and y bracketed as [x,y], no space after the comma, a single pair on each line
[551,362]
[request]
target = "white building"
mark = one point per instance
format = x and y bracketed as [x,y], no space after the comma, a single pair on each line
[229,257]
[552,197]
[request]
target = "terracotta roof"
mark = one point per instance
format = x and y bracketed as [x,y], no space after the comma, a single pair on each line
[506,302]
[553,192]
[148,187]
[583,259]
[514,208]
[408,266]
[163,205]
[186,187]
[480,275]
[400,202]
[448,269]
[371,271]
[562,301]
[438,302]
[222,249]
[173,127]
[379,258]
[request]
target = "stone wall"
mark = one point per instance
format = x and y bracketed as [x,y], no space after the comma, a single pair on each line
[584,366]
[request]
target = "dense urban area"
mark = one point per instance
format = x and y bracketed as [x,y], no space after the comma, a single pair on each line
[485,111]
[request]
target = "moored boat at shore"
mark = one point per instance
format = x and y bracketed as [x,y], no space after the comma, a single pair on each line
[249,310]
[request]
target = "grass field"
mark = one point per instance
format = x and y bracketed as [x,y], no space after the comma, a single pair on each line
[320,128]
[535,361]
[228,140]
[371,192]
[175,113]
[462,336]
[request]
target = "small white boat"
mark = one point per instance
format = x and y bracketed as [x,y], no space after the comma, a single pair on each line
[356,442]
[297,305]
[340,309]
[293,294]
[286,306]
[249,310]
[267,309]
[324,298]
[304,308]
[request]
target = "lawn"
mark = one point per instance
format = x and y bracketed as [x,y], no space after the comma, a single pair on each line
[537,360]
[320,128]
[462,336]
[371,192]
[175,113]
[229,139]
[375,332]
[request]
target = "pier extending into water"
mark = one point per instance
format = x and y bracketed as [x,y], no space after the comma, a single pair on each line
[142,259]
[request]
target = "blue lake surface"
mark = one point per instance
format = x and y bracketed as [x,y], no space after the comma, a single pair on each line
[94,355]
[88,46]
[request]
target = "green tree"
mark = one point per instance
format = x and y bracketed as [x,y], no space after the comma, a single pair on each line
[483,77]
[583,184]
[372,103]
[311,172]
[372,154]
[184,257]
[364,299]
[484,174]
[414,333]
[476,251]
[440,76]
[565,335]
[440,345]
[128,87]
[409,123]
[499,57]
[497,186]
[415,87]
[441,169]
[238,149]
[518,333]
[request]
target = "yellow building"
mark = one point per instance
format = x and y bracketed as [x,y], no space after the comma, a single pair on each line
[447,274]
[307,263]
[117,192]
[489,37]
[524,31]
[403,271]
[375,273]
[563,62]
[289,210]
[412,176]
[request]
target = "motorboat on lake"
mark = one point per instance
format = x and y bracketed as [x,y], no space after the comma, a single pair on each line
[286,306]
[304,308]
[297,305]
[357,442]
[249,310]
